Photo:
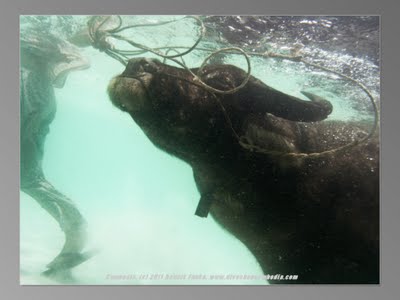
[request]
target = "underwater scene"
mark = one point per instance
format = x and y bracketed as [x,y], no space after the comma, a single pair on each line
[199,150]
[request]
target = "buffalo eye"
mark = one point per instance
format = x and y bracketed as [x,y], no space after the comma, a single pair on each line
[122,107]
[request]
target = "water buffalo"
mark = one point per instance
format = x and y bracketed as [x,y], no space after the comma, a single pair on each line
[314,216]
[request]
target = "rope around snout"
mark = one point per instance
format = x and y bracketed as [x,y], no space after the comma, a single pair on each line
[99,36]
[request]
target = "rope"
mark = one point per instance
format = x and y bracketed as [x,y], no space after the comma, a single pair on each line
[99,35]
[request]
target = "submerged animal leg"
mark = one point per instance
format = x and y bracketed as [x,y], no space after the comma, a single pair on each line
[70,220]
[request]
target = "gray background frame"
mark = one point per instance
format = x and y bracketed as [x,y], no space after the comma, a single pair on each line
[9,158]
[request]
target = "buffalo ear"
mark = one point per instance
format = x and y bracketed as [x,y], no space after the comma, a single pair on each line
[265,99]
[298,110]
[317,99]
[294,109]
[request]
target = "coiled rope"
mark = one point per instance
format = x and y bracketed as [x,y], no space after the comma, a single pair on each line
[99,36]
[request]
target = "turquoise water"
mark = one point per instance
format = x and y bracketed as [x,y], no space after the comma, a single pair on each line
[139,201]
